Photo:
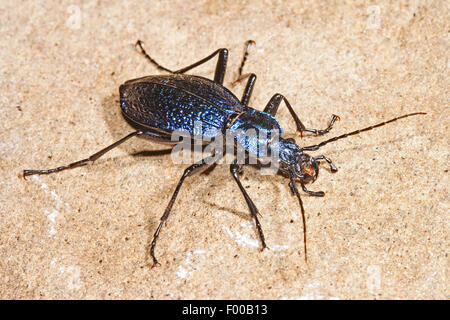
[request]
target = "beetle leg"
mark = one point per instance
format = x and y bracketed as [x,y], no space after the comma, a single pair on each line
[248,89]
[221,66]
[235,169]
[188,172]
[319,132]
[248,43]
[251,76]
[312,193]
[92,158]
[333,168]
[241,76]
[272,108]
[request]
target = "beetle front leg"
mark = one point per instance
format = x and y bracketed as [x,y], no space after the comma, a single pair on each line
[272,108]
[312,193]
[333,168]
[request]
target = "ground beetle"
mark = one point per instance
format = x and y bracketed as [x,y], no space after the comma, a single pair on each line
[159,105]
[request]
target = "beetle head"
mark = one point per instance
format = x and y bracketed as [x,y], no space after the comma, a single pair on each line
[294,162]
[306,168]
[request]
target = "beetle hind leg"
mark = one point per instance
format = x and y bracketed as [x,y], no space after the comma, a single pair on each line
[241,76]
[219,73]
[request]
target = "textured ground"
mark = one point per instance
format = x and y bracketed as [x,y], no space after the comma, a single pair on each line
[380,232]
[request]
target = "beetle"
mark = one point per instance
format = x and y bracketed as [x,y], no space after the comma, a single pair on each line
[159,105]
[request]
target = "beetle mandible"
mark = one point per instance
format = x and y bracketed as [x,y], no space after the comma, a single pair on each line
[159,105]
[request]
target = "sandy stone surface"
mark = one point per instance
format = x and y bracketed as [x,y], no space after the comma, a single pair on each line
[381,231]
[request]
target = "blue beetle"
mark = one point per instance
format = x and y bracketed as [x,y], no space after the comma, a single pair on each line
[158,106]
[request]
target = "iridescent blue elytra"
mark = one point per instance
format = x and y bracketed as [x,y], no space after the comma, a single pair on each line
[164,104]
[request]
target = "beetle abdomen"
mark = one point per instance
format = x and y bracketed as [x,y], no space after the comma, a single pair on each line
[191,104]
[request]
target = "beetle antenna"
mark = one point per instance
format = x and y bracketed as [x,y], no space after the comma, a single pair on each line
[295,191]
[321,144]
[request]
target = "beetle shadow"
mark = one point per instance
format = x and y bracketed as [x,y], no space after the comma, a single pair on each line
[244,214]
[240,214]
[276,189]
